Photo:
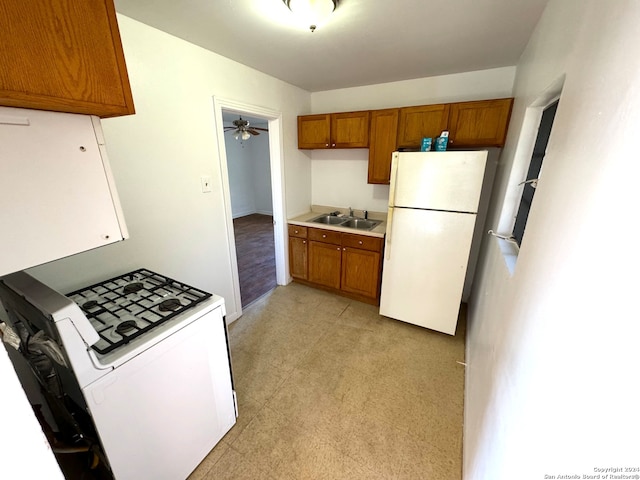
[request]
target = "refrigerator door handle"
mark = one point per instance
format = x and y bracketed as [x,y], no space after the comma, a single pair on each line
[392,202]
[388,236]
[394,179]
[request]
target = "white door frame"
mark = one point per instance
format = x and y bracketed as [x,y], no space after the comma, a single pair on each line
[277,188]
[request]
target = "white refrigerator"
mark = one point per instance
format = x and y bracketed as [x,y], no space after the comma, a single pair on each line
[433,203]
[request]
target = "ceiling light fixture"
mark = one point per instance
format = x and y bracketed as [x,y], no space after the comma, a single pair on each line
[312,12]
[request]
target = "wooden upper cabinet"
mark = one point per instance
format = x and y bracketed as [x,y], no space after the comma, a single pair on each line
[334,130]
[418,122]
[479,124]
[382,143]
[314,131]
[350,130]
[63,55]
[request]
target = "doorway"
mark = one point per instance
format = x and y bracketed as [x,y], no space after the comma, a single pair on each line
[271,121]
[248,165]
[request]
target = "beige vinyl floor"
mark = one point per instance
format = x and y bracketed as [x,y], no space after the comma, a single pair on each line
[328,389]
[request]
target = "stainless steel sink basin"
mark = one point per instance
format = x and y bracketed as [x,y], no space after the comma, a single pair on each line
[360,223]
[349,222]
[329,220]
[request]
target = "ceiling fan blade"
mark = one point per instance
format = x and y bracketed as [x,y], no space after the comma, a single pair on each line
[229,128]
[253,131]
[262,129]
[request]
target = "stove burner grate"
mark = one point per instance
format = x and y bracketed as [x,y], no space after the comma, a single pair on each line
[132,288]
[126,327]
[89,305]
[159,298]
[169,305]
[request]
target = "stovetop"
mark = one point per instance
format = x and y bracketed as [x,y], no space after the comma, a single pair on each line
[125,307]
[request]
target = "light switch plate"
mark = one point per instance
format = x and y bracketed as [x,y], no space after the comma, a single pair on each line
[205,181]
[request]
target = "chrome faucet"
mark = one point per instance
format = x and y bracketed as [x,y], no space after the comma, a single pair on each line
[366,214]
[350,212]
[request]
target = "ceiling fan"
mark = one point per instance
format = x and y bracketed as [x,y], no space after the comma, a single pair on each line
[242,130]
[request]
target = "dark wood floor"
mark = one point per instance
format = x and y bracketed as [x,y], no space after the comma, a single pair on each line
[256,256]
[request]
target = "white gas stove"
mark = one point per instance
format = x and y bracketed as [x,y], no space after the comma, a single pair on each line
[146,356]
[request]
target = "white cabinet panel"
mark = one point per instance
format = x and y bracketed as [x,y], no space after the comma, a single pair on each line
[57,196]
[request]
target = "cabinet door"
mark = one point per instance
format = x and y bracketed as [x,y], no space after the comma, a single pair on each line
[418,122]
[382,143]
[64,56]
[298,257]
[350,130]
[314,131]
[324,264]
[479,124]
[360,271]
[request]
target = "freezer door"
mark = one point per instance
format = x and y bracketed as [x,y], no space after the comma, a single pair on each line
[450,181]
[424,268]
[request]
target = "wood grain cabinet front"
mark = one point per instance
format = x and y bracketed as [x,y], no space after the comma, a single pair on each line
[334,130]
[298,252]
[418,122]
[343,263]
[63,56]
[479,124]
[383,135]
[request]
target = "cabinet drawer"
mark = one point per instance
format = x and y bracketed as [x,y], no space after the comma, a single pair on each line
[297,231]
[362,241]
[326,236]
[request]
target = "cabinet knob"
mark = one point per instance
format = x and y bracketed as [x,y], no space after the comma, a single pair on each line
[333,144]
[304,242]
[324,235]
[338,248]
[344,249]
[326,144]
[360,242]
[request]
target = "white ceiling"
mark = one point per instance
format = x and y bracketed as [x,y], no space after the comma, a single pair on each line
[364,42]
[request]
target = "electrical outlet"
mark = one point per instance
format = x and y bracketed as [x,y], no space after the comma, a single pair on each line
[205,181]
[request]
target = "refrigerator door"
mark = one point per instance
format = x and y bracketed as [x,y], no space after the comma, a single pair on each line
[425,264]
[450,181]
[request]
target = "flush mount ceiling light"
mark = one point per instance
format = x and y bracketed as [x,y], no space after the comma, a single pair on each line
[312,12]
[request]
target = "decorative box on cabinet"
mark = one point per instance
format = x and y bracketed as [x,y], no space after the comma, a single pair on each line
[64,56]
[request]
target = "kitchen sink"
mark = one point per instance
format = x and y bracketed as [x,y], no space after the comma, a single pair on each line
[329,220]
[349,222]
[360,223]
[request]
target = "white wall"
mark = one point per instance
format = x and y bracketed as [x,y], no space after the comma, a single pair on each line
[339,177]
[552,352]
[159,154]
[248,164]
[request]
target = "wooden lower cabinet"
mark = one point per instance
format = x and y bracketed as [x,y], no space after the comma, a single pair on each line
[360,272]
[325,260]
[344,263]
[298,256]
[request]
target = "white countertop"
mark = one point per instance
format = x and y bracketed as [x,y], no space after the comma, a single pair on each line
[304,220]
